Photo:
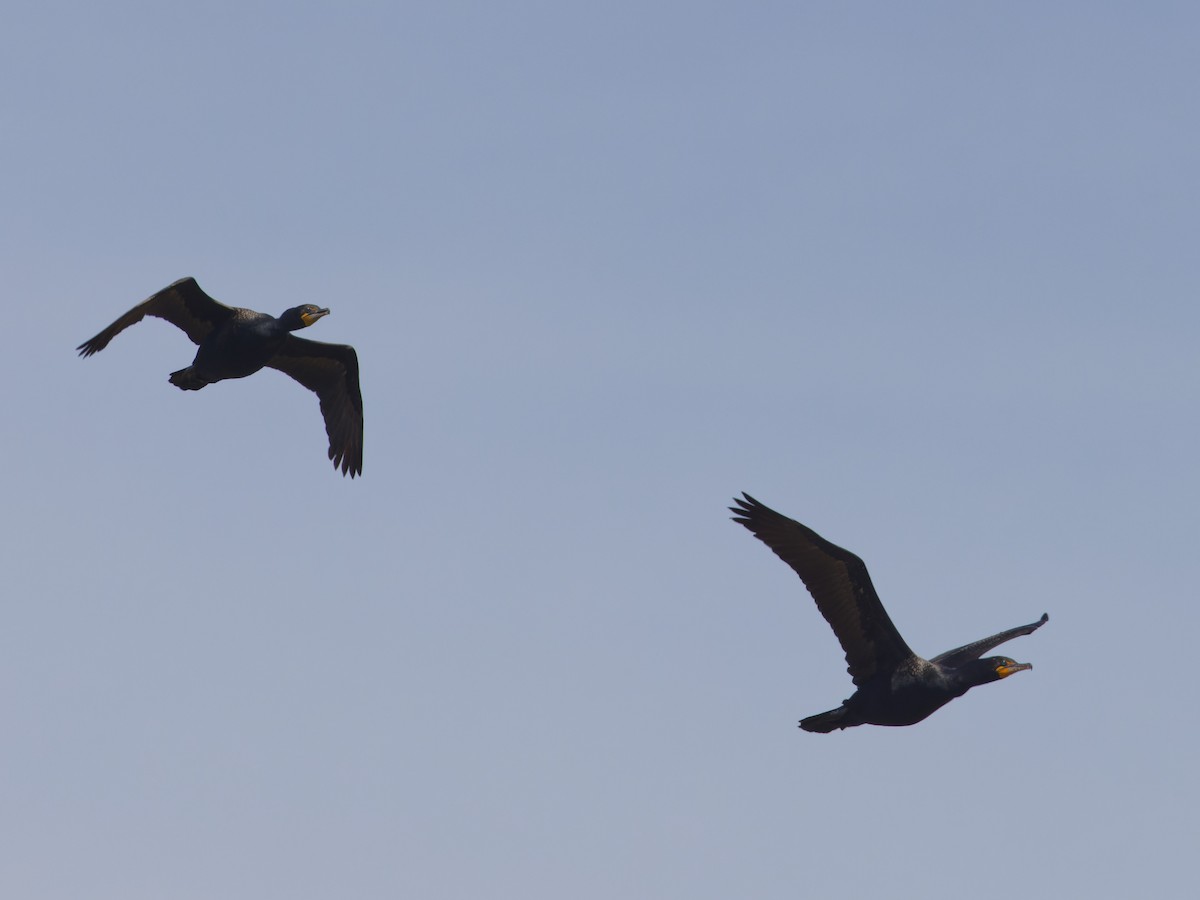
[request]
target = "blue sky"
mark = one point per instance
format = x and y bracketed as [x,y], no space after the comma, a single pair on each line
[921,276]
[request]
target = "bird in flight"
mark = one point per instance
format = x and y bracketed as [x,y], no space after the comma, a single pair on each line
[894,685]
[235,342]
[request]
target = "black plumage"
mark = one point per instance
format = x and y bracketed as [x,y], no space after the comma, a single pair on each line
[895,686]
[235,342]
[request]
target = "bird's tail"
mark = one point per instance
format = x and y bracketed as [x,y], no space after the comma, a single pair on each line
[187,380]
[825,722]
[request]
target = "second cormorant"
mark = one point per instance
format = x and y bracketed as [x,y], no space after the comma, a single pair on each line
[895,686]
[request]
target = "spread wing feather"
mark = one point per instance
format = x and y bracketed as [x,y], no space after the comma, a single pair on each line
[331,372]
[183,304]
[960,655]
[838,582]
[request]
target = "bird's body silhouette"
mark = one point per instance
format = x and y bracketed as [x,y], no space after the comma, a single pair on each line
[894,685]
[234,342]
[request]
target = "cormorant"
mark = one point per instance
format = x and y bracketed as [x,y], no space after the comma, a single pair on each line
[895,686]
[235,342]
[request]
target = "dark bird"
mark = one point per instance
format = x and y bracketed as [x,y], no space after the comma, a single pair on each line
[235,342]
[895,686]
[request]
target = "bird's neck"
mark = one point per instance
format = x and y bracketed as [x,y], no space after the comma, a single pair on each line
[973,674]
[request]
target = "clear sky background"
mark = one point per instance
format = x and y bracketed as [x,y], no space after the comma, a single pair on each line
[922,276]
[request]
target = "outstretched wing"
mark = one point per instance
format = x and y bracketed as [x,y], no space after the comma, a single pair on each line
[182,304]
[960,655]
[838,581]
[331,372]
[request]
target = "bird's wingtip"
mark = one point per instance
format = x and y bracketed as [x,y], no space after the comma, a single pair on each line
[743,506]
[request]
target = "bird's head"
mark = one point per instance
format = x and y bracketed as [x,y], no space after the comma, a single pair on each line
[997,667]
[302,316]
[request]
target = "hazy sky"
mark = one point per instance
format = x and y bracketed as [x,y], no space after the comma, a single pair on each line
[922,276]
